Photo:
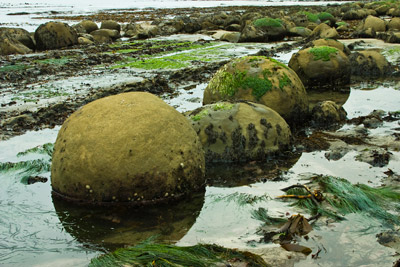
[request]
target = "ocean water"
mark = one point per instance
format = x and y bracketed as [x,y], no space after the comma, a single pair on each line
[25,13]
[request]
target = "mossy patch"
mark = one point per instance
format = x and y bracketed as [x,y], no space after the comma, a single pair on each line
[267,22]
[284,81]
[222,106]
[310,16]
[53,61]
[323,52]
[278,63]
[323,16]
[13,67]
[200,115]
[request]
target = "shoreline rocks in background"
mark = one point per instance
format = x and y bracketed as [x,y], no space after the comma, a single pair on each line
[54,35]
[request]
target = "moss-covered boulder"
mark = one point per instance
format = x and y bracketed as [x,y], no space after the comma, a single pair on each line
[130,148]
[54,35]
[239,132]
[331,43]
[262,80]
[321,66]
[263,30]
[370,63]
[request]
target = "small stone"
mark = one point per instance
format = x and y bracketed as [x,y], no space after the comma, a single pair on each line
[88,187]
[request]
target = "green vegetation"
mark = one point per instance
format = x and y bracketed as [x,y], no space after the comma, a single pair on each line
[323,52]
[26,168]
[223,106]
[243,199]
[200,115]
[342,197]
[53,61]
[35,95]
[13,67]
[278,63]
[284,81]
[262,215]
[149,254]
[259,86]
[46,149]
[324,16]
[267,22]
[341,23]
[310,16]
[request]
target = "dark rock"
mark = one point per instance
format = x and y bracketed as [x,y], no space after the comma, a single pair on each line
[54,35]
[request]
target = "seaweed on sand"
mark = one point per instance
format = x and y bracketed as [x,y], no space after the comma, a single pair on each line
[150,254]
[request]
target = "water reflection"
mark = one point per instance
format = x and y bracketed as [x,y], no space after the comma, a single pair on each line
[239,174]
[111,227]
[339,96]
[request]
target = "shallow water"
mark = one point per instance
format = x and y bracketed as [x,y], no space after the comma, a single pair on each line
[36,231]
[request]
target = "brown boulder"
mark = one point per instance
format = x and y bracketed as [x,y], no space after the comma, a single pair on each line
[54,35]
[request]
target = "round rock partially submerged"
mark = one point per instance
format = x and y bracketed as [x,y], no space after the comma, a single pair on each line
[131,148]
[238,132]
[262,80]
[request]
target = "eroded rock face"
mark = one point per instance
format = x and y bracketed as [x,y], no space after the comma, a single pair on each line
[129,148]
[240,132]
[262,80]
[321,66]
[54,35]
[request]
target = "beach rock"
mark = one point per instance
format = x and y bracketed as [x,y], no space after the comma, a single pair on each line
[394,24]
[232,37]
[105,35]
[373,23]
[84,41]
[240,132]
[262,80]
[324,31]
[18,34]
[369,63]
[331,43]
[376,157]
[110,25]
[88,25]
[263,30]
[54,35]
[356,14]
[9,46]
[141,30]
[321,66]
[328,113]
[129,148]
[300,31]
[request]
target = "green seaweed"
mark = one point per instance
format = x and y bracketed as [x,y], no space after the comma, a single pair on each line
[13,67]
[243,198]
[46,149]
[342,197]
[267,22]
[310,16]
[324,16]
[259,86]
[222,106]
[27,168]
[200,115]
[284,81]
[261,214]
[53,61]
[278,63]
[323,52]
[150,254]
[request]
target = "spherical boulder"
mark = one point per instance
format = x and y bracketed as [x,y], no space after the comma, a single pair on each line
[324,31]
[370,63]
[321,66]
[374,23]
[328,113]
[240,132]
[19,34]
[88,25]
[54,35]
[111,25]
[331,43]
[262,80]
[130,148]
[263,30]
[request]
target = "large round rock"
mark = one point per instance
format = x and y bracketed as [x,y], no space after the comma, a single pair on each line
[321,66]
[54,35]
[239,132]
[131,147]
[262,80]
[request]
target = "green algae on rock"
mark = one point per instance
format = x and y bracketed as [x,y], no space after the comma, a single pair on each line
[262,80]
[240,132]
[124,149]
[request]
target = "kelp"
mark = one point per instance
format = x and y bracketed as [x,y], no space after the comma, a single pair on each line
[150,254]
[261,214]
[341,198]
[46,149]
[27,168]
[243,198]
